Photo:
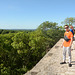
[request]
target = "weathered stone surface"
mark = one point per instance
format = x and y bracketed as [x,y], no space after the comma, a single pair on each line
[50,63]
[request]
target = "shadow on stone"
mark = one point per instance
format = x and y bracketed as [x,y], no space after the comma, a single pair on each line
[50,54]
[73,62]
[56,46]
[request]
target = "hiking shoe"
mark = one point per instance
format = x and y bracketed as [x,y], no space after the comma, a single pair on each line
[63,63]
[70,65]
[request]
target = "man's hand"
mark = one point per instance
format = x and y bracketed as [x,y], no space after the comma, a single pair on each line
[70,46]
[61,46]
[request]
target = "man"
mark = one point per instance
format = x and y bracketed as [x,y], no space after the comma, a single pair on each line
[67,42]
[72,30]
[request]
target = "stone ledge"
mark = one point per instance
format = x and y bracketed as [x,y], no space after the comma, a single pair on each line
[44,62]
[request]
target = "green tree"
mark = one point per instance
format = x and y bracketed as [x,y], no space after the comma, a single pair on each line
[51,31]
[47,25]
[69,21]
[21,50]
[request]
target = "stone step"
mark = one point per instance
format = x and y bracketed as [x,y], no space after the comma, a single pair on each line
[60,74]
[71,70]
[69,73]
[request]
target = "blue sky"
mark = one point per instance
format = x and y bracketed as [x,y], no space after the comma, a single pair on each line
[29,14]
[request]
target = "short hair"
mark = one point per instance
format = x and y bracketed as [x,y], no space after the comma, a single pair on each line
[71,26]
[66,25]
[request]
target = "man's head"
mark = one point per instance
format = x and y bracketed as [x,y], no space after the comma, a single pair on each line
[71,27]
[66,27]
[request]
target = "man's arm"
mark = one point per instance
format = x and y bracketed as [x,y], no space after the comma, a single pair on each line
[62,44]
[71,41]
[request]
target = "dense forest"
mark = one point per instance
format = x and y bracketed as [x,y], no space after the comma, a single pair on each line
[20,50]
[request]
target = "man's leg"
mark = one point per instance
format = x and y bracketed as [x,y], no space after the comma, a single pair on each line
[64,55]
[69,54]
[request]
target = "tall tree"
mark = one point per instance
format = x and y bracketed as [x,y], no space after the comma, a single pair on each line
[69,21]
[47,25]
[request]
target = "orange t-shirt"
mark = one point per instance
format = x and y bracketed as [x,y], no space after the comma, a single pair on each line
[69,35]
